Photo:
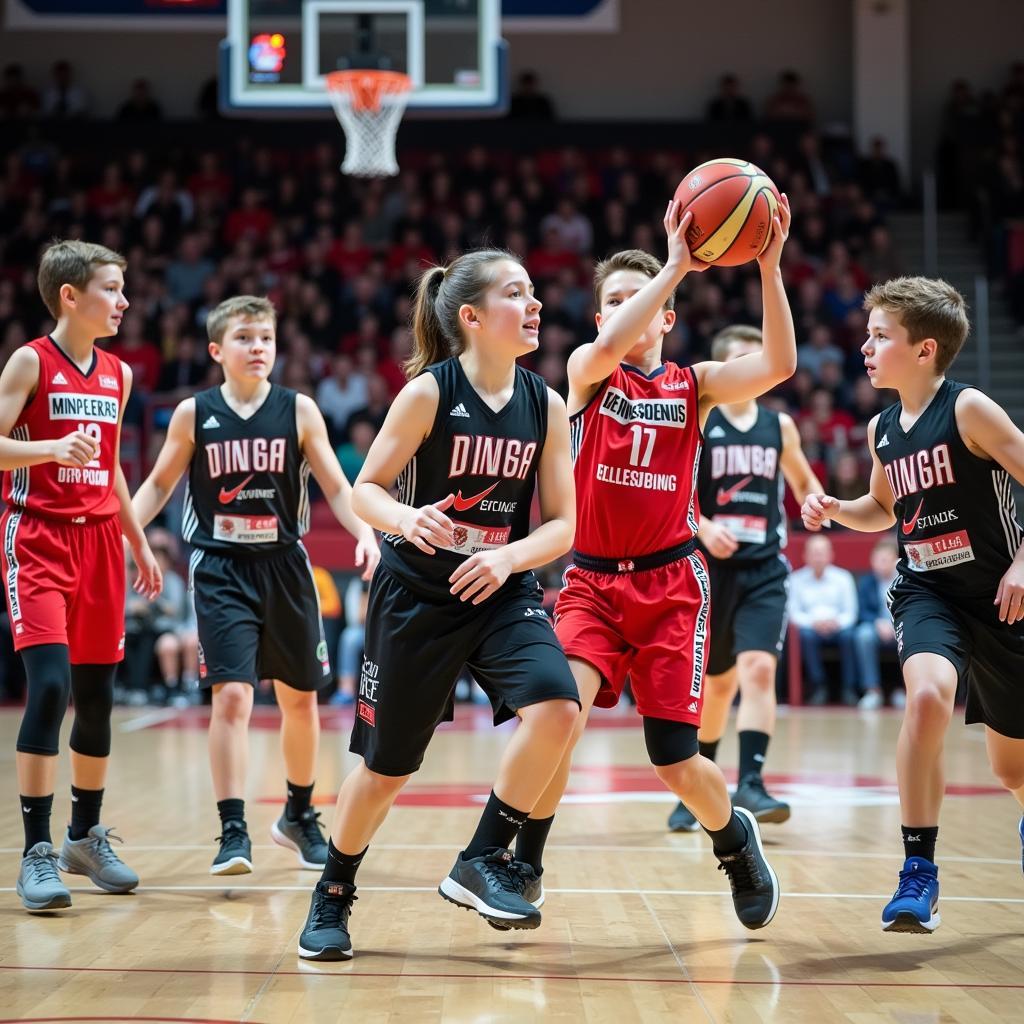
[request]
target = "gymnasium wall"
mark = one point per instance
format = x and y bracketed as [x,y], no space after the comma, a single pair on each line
[663,63]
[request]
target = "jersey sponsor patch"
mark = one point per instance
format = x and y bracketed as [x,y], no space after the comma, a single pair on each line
[245,529]
[939,552]
[470,539]
[106,381]
[662,412]
[68,405]
[746,529]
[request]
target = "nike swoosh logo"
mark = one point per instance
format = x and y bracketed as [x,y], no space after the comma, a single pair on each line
[725,496]
[461,503]
[226,497]
[908,526]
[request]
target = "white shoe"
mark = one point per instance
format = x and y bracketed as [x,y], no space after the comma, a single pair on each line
[870,701]
[898,699]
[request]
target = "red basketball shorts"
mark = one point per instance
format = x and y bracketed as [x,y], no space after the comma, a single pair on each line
[651,626]
[65,584]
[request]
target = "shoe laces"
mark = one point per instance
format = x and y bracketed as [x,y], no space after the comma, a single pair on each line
[522,874]
[102,848]
[755,782]
[309,824]
[913,885]
[331,911]
[742,869]
[44,866]
[498,867]
[232,834]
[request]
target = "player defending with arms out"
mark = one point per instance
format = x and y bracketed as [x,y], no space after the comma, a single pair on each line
[636,599]
[942,456]
[61,402]
[467,440]
[749,453]
[249,447]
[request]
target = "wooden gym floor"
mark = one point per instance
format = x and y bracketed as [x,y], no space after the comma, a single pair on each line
[638,925]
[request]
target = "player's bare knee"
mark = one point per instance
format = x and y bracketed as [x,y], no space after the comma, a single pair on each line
[1010,773]
[232,702]
[928,709]
[556,717]
[758,671]
[166,643]
[377,787]
[680,777]
[722,686]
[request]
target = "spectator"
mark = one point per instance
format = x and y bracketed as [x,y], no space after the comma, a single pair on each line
[378,401]
[878,175]
[729,105]
[176,643]
[848,479]
[340,395]
[352,453]
[528,102]
[186,371]
[18,100]
[818,350]
[875,630]
[140,105]
[171,205]
[187,274]
[63,98]
[790,102]
[571,228]
[350,645]
[823,607]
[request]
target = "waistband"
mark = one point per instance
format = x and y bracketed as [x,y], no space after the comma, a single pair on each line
[251,553]
[86,520]
[641,563]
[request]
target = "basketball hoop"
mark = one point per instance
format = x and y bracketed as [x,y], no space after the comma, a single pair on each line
[369,105]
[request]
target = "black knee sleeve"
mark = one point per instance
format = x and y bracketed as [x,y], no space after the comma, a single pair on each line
[669,742]
[92,689]
[48,683]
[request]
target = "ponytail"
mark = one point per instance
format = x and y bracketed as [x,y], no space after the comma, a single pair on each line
[429,342]
[441,293]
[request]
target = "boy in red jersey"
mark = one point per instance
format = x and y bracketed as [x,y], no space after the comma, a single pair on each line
[61,403]
[636,599]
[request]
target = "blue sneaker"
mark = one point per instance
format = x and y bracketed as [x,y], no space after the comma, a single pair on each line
[914,906]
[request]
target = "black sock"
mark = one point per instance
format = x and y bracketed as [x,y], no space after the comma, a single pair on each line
[707,748]
[341,867]
[85,810]
[231,810]
[530,841]
[753,748]
[920,842]
[35,815]
[497,827]
[299,798]
[731,838]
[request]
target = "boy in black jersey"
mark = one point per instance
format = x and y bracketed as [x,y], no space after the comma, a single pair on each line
[249,447]
[749,453]
[942,458]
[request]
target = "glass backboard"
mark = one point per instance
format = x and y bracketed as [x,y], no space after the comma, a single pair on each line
[278,52]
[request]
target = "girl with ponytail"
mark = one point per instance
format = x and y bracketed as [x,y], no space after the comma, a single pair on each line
[464,445]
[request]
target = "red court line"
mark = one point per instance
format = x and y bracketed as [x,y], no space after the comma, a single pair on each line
[824,982]
[106,1017]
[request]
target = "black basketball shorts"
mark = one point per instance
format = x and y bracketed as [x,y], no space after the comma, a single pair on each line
[259,619]
[415,649]
[968,634]
[748,609]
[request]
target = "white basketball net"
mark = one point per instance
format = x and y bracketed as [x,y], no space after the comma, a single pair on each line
[369,106]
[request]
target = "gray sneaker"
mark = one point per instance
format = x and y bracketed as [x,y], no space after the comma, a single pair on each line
[304,837]
[39,885]
[93,856]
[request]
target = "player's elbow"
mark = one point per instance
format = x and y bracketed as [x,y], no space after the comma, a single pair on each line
[360,496]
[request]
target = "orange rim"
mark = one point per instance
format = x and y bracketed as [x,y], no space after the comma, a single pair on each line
[366,87]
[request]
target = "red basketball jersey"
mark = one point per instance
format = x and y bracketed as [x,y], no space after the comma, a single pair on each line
[67,399]
[636,448]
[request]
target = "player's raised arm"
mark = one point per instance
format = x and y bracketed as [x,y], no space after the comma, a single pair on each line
[795,468]
[617,334]
[175,455]
[316,447]
[750,376]
[409,421]
[871,513]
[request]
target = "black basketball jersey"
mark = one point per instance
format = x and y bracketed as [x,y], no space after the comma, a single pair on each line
[740,484]
[487,459]
[247,492]
[957,523]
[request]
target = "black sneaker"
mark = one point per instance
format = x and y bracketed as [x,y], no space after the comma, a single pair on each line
[304,836]
[530,885]
[682,820]
[325,936]
[487,885]
[235,854]
[751,794]
[755,889]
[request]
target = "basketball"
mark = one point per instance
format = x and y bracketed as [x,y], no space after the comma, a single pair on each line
[732,202]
